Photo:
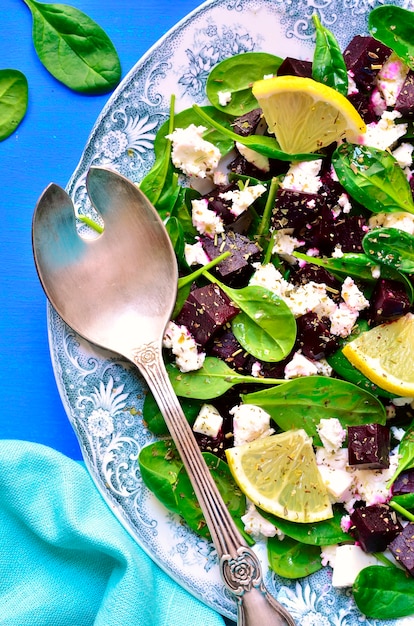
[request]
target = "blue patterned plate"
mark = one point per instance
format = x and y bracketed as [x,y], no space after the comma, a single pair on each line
[102,394]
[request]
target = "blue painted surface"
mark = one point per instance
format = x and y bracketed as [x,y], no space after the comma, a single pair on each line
[46,148]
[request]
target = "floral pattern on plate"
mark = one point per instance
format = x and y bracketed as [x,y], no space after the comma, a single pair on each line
[103,395]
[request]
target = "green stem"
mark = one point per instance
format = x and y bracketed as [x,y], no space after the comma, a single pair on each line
[383,559]
[184,280]
[91,223]
[244,378]
[400,509]
[267,213]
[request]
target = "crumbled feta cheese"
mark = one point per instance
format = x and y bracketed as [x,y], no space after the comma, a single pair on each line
[349,561]
[191,153]
[224,97]
[400,219]
[328,554]
[371,485]
[344,203]
[249,422]
[220,178]
[285,244]
[305,298]
[206,221]
[334,460]
[256,369]
[268,276]
[256,525]
[208,421]
[298,366]
[323,367]
[343,320]
[337,482]
[255,158]
[390,79]
[402,401]
[397,433]
[241,199]
[331,434]
[183,346]
[352,296]
[195,254]
[303,176]
[385,133]
[404,156]
[337,251]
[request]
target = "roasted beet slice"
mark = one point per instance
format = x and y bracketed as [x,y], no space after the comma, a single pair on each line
[362,102]
[247,124]
[405,99]
[369,446]
[237,268]
[226,347]
[404,483]
[206,310]
[294,209]
[317,274]
[219,205]
[402,547]
[364,57]
[214,445]
[374,527]
[389,300]
[314,337]
[295,67]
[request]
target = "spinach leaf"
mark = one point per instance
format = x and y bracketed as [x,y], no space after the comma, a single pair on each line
[405,454]
[326,533]
[391,247]
[154,419]
[373,178]
[394,27]
[292,559]
[263,144]
[160,464]
[176,234]
[74,48]
[384,592]
[212,380]
[266,327]
[13,101]
[328,65]
[405,500]
[303,402]
[236,75]
[356,265]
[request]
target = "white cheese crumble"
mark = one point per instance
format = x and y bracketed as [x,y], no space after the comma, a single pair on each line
[404,156]
[195,254]
[205,220]
[241,199]
[390,79]
[192,154]
[249,422]
[303,176]
[331,434]
[285,244]
[385,133]
[343,320]
[256,525]
[224,98]
[183,346]
[349,561]
[400,219]
[299,366]
[353,296]
[208,421]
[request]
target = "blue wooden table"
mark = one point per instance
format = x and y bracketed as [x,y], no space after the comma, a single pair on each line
[46,148]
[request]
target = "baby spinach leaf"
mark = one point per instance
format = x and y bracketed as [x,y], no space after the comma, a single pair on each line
[13,101]
[405,500]
[236,76]
[154,419]
[160,465]
[266,327]
[373,178]
[394,27]
[263,144]
[384,592]
[74,48]
[328,65]
[326,533]
[292,559]
[391,247]
[356,265]
[212,380]
[303,402]
[405,454]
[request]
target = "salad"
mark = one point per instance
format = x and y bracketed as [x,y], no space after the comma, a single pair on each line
[292,259]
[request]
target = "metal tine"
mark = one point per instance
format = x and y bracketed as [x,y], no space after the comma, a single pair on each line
[54,231]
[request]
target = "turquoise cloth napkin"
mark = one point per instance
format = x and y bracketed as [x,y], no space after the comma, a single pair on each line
[65,560]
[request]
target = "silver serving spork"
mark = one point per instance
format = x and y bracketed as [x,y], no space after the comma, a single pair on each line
[118,291]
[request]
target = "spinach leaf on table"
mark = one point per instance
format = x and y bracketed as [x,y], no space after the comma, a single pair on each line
[292,559]
[236,75]
[384,592]
[74,48]
[13,100]
[373,178]
[303,402]
[328,65]
[394,27]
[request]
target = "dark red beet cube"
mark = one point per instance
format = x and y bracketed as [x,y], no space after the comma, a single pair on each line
[362,102]
[317,274]
[247,124]
[293,209]
[374,527]
[219,205]
[226,347]
[237,268]
[369,446]
[214,445]
[206,310]
[314,337]
[295,67]
[389,300]
[405,99]
[402,548]
[364,57]
[404,483]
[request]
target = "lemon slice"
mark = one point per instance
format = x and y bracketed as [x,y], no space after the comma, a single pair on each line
[279,474]
[385,354]
[305,115]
